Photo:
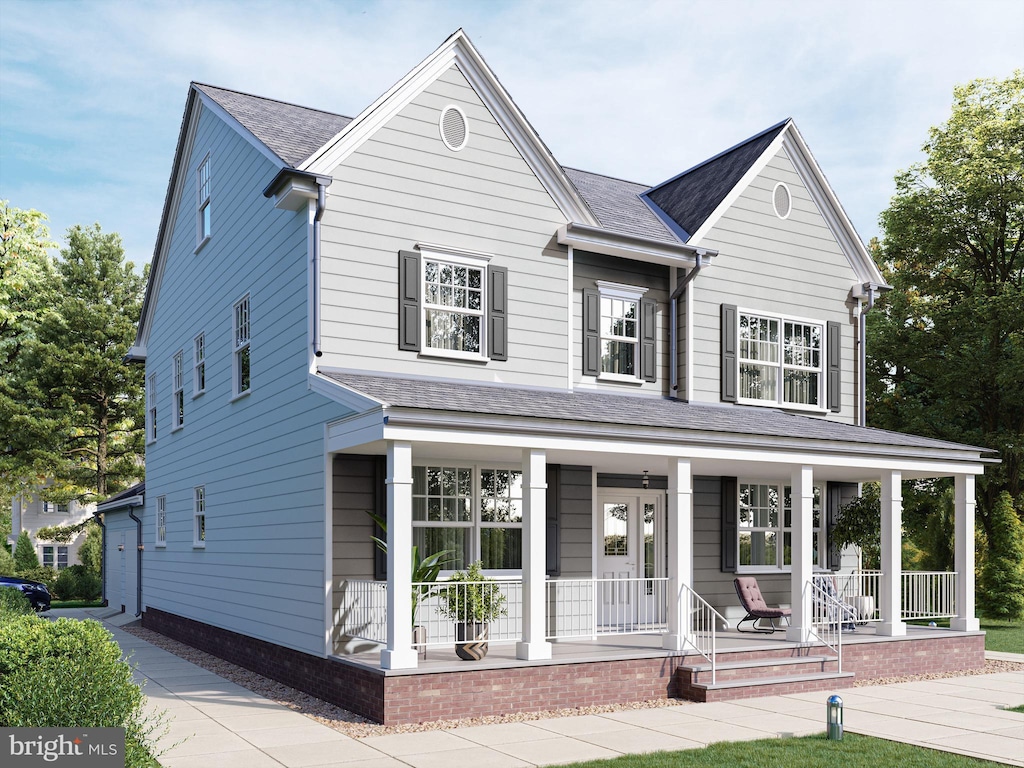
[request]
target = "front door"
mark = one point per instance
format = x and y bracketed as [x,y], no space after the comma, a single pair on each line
[631,551]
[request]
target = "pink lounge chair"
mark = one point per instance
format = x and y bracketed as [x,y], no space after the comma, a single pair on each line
[753,603]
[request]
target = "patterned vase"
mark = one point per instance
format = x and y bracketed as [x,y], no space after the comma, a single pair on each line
[471,641]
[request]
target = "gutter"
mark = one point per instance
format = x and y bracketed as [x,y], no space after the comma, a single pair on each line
[138,565]
[321,206]
[674,324]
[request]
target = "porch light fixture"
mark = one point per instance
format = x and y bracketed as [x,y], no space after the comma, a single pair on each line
[834,709]
[646,482]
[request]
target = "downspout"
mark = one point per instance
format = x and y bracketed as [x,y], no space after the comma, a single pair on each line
[138,565]
[98,517]
[862,416]
[321,206]
[674,325]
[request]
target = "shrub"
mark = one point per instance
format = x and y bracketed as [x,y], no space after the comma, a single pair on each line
[40,573]
[1001,586]
[25,557]
[90,554]
[69,673]
[13,602]
[77,582]
[7,566]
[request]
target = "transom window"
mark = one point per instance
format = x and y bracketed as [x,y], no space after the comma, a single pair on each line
[203,202]
[765,532]
[780,360]
[476,512]
[199,365]
[240,364]
[178,390]
[453,305]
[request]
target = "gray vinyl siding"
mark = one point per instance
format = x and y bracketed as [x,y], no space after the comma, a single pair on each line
[353,496]
[791,267]
[403,186]
[576,515]
[588,268]
[261,456]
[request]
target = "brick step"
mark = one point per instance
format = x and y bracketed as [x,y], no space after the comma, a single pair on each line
[766,686]
[751,669]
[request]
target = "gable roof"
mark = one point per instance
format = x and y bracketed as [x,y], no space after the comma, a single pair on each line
[690,198]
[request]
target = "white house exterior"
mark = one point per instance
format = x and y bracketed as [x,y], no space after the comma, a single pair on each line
[570,377]
[29,513]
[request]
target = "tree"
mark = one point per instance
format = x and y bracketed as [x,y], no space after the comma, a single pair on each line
[90,554]
[1001,586]
[946,346]
[25,557]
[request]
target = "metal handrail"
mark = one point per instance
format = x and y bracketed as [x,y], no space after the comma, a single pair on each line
[826,624]
[702,626]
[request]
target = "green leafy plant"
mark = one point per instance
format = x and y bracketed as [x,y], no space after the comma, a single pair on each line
[13,602]
[467,598]
[25,557]
[77,582]
[7,567]
[425,570]
[42,574]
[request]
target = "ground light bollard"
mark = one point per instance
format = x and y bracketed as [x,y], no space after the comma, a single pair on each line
[835,718]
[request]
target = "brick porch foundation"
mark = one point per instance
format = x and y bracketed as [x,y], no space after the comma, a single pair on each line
[410,698]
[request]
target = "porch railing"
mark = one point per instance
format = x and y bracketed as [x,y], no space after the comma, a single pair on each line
[861,590]
[363,611]
[703,630]
[828,614]
[505,595]
[929,594]
[592,607]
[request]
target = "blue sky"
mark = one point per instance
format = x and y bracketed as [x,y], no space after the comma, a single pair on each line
[92,92]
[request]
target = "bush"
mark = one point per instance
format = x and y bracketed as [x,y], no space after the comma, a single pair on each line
[7,566]
[1000,590]
[25,557]
[77,582]
[90,553]
[40,573]
[69,673]
[13,602]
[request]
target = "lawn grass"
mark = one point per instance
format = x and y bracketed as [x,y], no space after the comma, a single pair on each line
[854,751]
[76,604]
[1001,635]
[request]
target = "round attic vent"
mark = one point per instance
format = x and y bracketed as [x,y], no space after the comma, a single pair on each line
[454,128]
[781,200]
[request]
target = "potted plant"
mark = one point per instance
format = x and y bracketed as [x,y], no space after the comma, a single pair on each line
[472,603]
[424,576]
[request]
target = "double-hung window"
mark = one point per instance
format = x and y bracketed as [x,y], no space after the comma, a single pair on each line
[161,521]
[453,305]
[178,391]
[765,530]
[151,409]
[61,561]
[199,516]
[474,512]
[203,202]
[199,364]
[241,360]
[619,333]
[780,361]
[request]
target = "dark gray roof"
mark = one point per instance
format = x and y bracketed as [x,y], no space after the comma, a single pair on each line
[618,206]
[689,198]
[138,489]
[291,132]
[631,410]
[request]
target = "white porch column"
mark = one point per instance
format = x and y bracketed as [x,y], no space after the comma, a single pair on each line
[680,551]
[399,653]
[534,644]
[892,551]
[963,555]
[801,553]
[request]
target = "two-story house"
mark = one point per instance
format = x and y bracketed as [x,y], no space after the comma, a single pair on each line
[29,513]
[617,397]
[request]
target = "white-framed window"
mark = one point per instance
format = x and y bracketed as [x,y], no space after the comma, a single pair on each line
[765,528]
[199,364]
[55,557]
[177,392]
[241,361]
[199,516]
[472,510]
[151,408]
[161,521]
[620,330]
[203,209]
[454,304]
[55,508]
[781,361]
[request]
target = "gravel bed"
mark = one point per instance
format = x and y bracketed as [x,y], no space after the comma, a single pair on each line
[358,727]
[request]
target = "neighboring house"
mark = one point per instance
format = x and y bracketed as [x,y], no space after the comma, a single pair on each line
[30,513]
[616,396]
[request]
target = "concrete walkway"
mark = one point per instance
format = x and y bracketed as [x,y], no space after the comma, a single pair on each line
[226,725]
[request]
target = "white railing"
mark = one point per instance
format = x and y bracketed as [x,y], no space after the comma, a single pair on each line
[592,607]
[504,595]
[929,594]
[363,612]
[703,630]
[861,590]
[828,614]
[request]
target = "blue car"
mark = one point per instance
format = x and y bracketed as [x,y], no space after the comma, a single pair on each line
[38,595]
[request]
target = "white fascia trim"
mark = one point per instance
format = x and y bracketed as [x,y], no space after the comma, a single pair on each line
[339,393]
[355,431]
[131,501]
[457,50]
[597,240]
[240,129]
[741,186]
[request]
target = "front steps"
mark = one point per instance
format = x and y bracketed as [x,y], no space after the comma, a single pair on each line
[760,673]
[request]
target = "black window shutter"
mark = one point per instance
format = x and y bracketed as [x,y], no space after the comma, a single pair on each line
[837,495]
[591,332]
[553,528]
[730,517]
[380,508]
[497,313]
[648,340]
[409,300]
[730,367]
[835,358]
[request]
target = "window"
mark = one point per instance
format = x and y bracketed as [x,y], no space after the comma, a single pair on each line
[765,532]
[61,561]
[199,365]
[151,410]
[619,333]
[453,306]
[475,512]
[178,394]
[161,521]
[241,361]
[53,508]
[199,517]
[780,361]
[203,202]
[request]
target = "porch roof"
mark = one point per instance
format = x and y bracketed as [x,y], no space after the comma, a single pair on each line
[624,410]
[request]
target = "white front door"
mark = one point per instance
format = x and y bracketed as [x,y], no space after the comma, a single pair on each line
[630,550]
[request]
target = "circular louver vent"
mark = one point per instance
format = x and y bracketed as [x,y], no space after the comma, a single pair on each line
[454,128]
[781,200]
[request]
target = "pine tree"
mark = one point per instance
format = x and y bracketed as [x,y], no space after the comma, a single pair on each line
[1001,587]
[25,557]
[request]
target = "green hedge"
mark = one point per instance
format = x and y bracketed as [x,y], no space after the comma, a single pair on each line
[77,582]
[13,602]
[69,673]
